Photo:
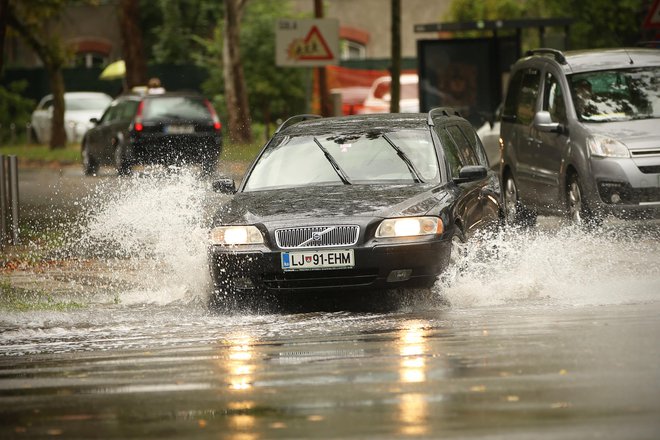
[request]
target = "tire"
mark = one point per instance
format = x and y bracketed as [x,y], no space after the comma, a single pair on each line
[515,213]
[122,163]
[578,210]
[458,248]
[89,162]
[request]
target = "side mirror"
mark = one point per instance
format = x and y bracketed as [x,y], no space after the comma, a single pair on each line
[471,173]
[94,121]
[224,186]
[543,122]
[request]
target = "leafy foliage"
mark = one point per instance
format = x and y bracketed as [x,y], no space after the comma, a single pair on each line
[180,21]
[597,23]
[14,108]
[274,91]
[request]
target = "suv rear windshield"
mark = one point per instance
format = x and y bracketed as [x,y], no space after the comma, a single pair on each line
[614,95]
[176,107]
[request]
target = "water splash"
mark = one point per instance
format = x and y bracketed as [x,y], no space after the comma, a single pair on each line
[151,228]
[616,264]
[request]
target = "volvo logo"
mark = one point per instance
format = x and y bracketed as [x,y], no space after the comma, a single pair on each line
[316,236]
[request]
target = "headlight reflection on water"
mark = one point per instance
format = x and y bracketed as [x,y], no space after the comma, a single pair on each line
[413,407]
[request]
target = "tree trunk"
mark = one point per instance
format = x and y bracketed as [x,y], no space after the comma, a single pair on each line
[395,70]
[4,5]
[56,80]
[240,129]
[132,45]
[53,55]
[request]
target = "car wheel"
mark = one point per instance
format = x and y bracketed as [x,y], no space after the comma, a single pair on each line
[121,161]
[578,211]
[515,214]
[458,250]
[89,163]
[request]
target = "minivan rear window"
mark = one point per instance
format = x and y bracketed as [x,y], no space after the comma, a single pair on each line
[176,107]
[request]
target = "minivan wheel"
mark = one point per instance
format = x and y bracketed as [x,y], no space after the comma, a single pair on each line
[515,214]
[578,209]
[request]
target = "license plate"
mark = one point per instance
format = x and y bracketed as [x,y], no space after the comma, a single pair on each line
[309,260]
[180,129]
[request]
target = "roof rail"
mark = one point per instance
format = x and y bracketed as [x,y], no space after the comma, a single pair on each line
[294,120]
[557,54]
[442,111]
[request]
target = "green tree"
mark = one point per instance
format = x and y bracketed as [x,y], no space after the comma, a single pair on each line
[182,20]
[28,18]
[597,23]
[274,92]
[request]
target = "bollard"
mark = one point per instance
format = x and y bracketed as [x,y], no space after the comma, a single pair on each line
[3,202]
[13,184]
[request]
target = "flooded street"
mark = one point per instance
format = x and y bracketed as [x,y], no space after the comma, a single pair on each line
[550,333]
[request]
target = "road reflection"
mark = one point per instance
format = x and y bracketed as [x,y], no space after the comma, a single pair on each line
[413,407]
[240,369]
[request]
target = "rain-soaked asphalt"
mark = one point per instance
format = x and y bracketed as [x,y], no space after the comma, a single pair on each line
[551,333]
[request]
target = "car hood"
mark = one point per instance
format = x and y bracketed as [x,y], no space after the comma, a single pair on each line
[636,134]
[324,202]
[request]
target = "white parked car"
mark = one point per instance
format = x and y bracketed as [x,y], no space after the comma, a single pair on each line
[79,108]
[378,100]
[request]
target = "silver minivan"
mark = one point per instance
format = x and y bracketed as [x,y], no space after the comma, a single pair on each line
[580,135]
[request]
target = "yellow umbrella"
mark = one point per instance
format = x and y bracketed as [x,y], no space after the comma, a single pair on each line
[114,70]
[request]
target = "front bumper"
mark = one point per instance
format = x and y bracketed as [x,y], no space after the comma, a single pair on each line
[626,186]
[418,265]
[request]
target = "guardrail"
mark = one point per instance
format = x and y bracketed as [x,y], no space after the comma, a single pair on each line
[9,213]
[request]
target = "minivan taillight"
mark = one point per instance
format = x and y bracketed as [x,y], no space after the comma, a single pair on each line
[137,121]
[217,125]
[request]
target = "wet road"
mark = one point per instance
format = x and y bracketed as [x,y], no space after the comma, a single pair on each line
[543,334]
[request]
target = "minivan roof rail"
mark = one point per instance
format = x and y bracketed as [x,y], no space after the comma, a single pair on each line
[557,54]
[294,120]
[442,111]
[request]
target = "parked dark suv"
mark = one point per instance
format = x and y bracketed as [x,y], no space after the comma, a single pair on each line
[581,135]
[167,128]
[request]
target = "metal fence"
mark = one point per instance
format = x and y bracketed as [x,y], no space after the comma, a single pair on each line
[9,213]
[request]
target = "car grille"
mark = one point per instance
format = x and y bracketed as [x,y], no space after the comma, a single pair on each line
[317,236]
[645,153]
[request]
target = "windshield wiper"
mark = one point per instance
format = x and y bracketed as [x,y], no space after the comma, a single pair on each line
[335,165]
[413,171]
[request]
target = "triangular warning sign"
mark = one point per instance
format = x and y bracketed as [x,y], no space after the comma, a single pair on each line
[312,47]
[652,20]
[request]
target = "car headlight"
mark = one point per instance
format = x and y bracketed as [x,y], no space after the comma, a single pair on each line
[603,146]
[409,227]
[235,235]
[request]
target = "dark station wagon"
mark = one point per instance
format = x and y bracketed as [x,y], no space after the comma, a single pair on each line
[365,202]
[164,128]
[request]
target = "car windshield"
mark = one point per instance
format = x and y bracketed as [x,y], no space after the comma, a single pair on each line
[404,156]
[87,103]
[176,107]
[615,95]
